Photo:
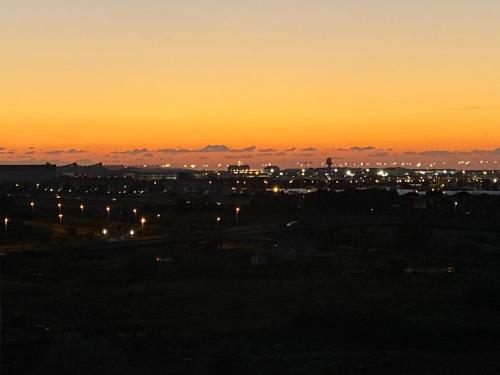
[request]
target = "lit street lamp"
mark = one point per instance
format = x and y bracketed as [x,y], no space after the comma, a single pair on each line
[218,220]
[104,232]
[6,224]
[131,233]
[108,211]
[32,204]
[60,218]
[135,213]
[143,221]
[59,206]
[82,207]
[237,211]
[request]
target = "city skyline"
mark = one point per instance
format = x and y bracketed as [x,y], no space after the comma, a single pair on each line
[219,156]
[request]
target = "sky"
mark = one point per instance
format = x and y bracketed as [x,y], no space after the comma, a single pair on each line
[261,81]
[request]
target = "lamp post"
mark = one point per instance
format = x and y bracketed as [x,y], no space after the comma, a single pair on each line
[60,218]
[59,206]
[135,213]
[237,212]
[108,211]
[218,220]
[6,226]
[32,204]
[143,221]
[82,207]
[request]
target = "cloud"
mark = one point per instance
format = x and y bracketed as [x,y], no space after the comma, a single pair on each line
[214,148]
[362,148]
[136,151]
[207,149]
[273,153]
[308,149]
[174,150]
[70,151]
[75,151]
[239,157]
[291,149]
[438,153]
[495,151]
[267,150]
[449,153]
[379,154]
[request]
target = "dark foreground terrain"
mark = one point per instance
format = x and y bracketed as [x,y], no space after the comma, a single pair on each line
[411,299]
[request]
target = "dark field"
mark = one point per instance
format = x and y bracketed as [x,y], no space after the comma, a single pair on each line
[415,298]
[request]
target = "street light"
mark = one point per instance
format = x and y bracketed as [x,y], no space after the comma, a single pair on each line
[60,218]
[218,220]
[237,211]
[6,223]
[143,221]
[32,204]
[135,213]
[131,233]
[108,210]
[82,207]
[104,232]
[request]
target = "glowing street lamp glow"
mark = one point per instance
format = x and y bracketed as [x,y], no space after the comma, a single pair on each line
[60,218]
[108,211]
[104,231]
[143,221]
[276,189]
[237,211]
[6,223]
[82,207]
[59,206]
[131,233]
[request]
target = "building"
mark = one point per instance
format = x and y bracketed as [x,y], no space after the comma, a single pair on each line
[76,170]
[27,173]
[238,169]
[272,169]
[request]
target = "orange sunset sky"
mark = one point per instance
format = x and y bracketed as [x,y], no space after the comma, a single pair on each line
[270,81]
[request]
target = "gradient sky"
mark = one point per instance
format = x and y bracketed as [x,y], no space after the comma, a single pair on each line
[97,77]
